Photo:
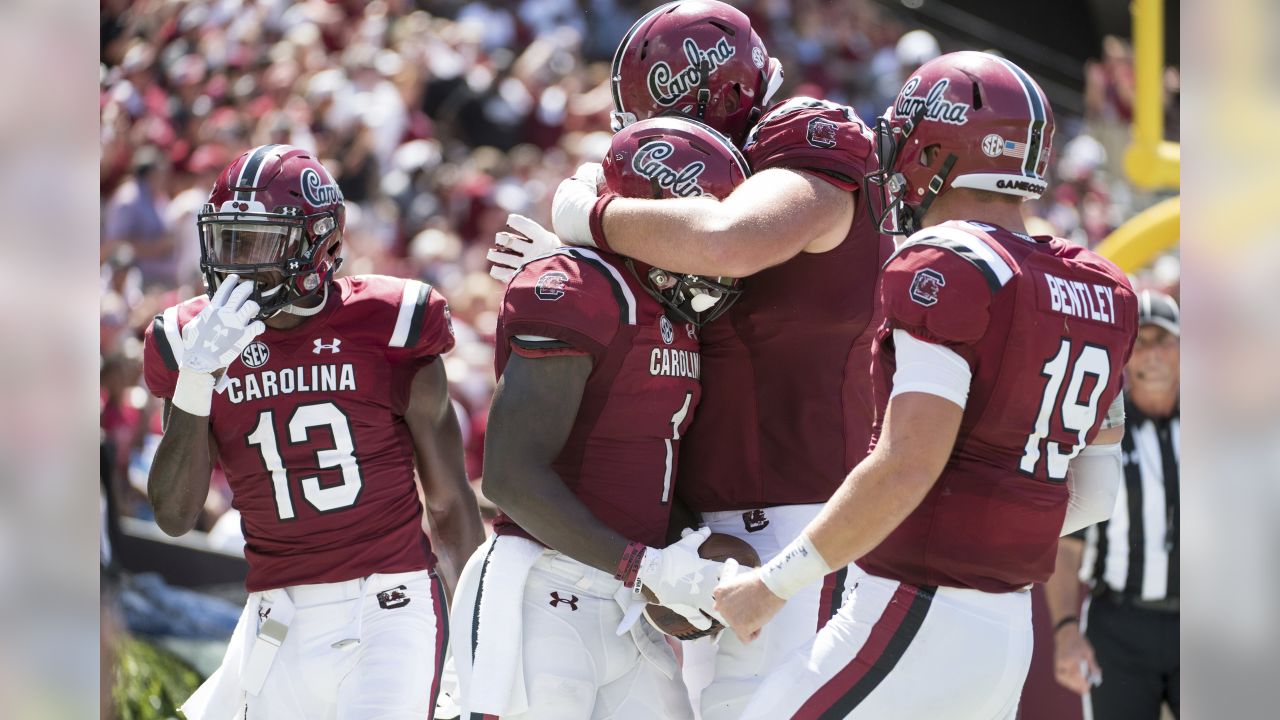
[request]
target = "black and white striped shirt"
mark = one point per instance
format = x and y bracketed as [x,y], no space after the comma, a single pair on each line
[1136,552]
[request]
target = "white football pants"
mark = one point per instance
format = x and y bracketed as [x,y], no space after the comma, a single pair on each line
[575,666]
[907,653]
[365,649]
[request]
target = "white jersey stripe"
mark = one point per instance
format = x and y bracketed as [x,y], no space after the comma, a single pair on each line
[975,245]
[404,319]
[173,333]
[621,282]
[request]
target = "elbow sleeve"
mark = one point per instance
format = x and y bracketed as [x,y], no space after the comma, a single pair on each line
[1094,481]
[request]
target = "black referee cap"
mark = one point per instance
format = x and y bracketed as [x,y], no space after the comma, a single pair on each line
[1156,308]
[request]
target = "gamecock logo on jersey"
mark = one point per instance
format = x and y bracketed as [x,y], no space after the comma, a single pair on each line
[926,285]
[822,133]
[667,86]
[933,104]
[648,163]
[551,285]
[256,355]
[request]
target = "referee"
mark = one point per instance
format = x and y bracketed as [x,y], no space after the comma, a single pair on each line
[1126,634]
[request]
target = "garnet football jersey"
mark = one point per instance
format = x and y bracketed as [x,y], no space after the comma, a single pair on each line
[621,455]
[1046,327]
[787,406]
[309,427]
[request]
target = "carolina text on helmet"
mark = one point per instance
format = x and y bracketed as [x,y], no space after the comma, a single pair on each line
[667,87]
[934,105]
[648,162]
[317,192]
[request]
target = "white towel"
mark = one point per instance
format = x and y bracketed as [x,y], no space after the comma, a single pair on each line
[221,696]
[488,613]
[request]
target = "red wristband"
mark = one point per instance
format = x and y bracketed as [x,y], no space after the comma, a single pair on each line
[597,221]
[629,564]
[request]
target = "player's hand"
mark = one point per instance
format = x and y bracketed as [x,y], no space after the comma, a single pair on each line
[746,603]
[1074,665]
[528,241]
[212,341]
[222,330]
[571,207]
[681,579]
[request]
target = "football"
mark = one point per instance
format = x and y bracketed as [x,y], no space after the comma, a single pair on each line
[717,547]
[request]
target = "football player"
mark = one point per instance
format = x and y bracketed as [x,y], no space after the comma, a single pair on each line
[997,378]
[319,397]
[599,367]
[787,406]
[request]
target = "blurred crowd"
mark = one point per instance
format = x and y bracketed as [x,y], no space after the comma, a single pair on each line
[438,118]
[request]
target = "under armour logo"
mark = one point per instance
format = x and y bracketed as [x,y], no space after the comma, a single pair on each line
[572,601]
[754,520]
[332,346]
[393,598]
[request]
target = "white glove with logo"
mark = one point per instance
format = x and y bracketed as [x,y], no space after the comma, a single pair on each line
[529,242]
[681,579]
[212,341]
[571,207]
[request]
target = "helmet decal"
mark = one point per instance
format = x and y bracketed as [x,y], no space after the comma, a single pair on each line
[932,105]
[318,192]
[668,87]
[648,162]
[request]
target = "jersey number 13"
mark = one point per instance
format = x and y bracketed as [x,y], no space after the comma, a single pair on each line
[342,455]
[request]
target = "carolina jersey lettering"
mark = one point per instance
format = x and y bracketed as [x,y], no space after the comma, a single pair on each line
[314,444]
[1046,327]
[787,408]
[625,445]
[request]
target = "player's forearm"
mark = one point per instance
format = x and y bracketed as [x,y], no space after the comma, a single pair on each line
[457,531]
[1062,591]
[873,500]
[178,483]
[538,500]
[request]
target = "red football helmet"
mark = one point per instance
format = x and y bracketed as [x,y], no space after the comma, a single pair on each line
[275,213]
[990,122]
[698,58]
[668,157]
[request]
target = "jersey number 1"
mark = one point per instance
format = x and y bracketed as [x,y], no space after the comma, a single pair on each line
[1076,416]
[342,455]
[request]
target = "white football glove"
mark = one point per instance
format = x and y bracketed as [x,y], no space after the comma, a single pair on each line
[681,580]
[529,242]
[571,207]
[212,341]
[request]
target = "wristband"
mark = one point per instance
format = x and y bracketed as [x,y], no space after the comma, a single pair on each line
[795,567]
[596,220]
[193,393]
[1065,622]
[629,564]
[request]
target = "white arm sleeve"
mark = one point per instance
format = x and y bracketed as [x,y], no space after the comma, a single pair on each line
[1094,481]
[929,368]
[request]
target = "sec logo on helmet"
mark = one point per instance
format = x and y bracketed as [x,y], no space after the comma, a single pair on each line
[551,285]
[926,285]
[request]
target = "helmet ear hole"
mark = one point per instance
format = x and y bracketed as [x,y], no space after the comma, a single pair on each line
[928,155]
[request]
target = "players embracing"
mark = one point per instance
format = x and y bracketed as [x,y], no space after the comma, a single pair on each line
[787,403]
[997,378]
[320,397]
[599,377]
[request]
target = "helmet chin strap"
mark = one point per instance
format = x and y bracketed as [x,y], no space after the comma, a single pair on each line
[294,309]
[931,193]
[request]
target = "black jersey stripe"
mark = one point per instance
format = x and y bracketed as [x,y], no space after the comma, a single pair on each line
[161,339]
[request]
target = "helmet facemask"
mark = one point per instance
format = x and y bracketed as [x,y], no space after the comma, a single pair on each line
[282,253]
[897,216]
[693,298]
